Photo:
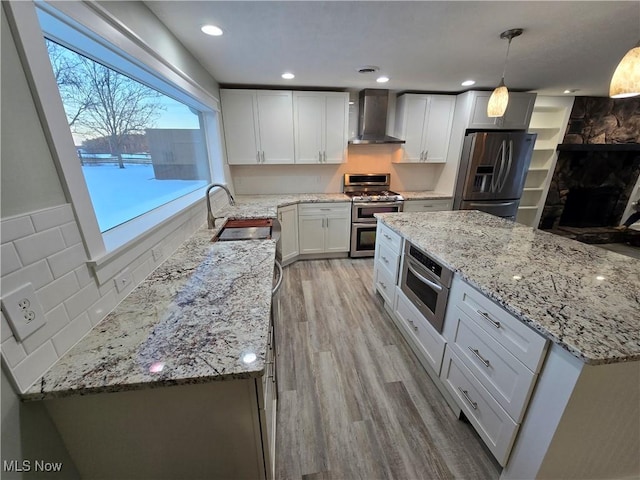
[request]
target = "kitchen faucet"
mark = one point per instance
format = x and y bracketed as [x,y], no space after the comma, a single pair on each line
[210,218]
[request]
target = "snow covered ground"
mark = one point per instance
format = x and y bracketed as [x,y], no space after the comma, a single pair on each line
[120,194]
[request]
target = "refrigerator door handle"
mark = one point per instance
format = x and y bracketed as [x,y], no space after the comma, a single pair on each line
[496,180]
[509,162]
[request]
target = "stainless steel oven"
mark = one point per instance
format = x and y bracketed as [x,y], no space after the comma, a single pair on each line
[363,225]
[426,283]
[370,194]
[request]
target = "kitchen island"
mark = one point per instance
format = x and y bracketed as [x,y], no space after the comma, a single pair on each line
[583,415]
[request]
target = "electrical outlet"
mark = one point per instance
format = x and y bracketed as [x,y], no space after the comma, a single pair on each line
[156,253]
[23,311]
[123,280]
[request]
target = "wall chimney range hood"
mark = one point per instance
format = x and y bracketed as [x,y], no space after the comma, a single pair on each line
[372,118]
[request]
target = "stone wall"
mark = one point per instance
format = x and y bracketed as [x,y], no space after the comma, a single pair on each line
[604,120]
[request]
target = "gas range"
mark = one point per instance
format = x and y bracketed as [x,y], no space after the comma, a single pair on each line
[370,187]
[369,194]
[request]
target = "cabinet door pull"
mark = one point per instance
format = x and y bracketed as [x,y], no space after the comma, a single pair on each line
[486,316]
[324,157]
[465,394]
[263,156]
[258,157]
[426,155]
[319,156]
[477,354]
[421,155]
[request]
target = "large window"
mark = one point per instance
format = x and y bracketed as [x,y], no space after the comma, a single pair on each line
[138,148]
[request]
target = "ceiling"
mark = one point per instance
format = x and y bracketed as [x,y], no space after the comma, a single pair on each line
[427,46]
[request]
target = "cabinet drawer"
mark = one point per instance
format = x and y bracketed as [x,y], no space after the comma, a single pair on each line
[428,340]
[388,237]
[426,205]
[492,423]
[524,343]
[386,257]
[339,208]
[385,283]
[502,374]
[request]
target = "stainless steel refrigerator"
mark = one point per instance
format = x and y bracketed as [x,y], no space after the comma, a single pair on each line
[492,171]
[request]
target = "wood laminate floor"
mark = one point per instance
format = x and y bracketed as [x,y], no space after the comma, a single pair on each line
[354,402]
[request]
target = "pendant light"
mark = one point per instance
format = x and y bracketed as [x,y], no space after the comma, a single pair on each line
[626,78]
[500,97]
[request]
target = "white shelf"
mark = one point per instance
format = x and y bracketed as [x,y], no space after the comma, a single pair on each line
[549,120]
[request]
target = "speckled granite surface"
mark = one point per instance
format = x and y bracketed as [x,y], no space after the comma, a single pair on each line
[425,195]
[191,321]
[582,297]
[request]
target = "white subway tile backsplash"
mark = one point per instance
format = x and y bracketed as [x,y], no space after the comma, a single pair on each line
[58,291]
[38,274]
[12,352]
[56,320]
[70,234]
[84,276]
[79,302]
[52,217]
[15,228]
[39,245]
[69,335]
[5,329]
[32,367]
[9,261]
[102,307]
[67,260]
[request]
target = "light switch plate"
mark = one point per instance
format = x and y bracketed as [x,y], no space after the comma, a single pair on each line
[23,311]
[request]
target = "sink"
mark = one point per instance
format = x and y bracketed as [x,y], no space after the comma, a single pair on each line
[248,229]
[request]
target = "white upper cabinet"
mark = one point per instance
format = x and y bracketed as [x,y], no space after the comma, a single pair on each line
[516,117]
[321,124]
[258,126]
[424,122]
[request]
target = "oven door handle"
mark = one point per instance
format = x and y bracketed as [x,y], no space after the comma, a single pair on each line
[433,285]
[377,204]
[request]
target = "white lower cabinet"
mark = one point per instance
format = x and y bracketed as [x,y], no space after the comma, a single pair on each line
[428,344]
[492,423]
[287,246]
[386,263]
[324,227]
[491,365]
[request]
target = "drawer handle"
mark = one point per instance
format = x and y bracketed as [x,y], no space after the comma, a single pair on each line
[382,285]
[465,394]
[386,236]
[384,259]
[325,209]
[415,327]
[486,316]
[477,354]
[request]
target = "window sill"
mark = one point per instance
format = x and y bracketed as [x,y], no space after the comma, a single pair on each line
[127,242]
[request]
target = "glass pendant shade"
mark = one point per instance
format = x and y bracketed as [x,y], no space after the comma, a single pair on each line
[626,79]
[498,101]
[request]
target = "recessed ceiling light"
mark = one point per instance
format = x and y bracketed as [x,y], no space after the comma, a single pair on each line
[468,83]
[351,102]
[382,79]
[211,30]
[571,90]
[288,75]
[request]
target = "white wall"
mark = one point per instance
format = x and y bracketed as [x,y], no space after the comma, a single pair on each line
[265,179]
[41,244]
[28,177]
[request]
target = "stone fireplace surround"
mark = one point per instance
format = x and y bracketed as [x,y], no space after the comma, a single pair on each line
[597,168]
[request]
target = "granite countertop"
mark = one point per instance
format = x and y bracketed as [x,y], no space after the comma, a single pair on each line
[425,195]
[582,297]
[191,321]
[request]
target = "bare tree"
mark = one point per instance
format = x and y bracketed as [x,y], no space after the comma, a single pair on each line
[103,102]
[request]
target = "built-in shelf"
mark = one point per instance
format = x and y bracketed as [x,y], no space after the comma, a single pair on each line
[549,120]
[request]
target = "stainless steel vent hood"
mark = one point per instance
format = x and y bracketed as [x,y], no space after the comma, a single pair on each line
[372,118]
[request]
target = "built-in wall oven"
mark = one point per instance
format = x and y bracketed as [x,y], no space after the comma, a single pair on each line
[426,283]
[369,194]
